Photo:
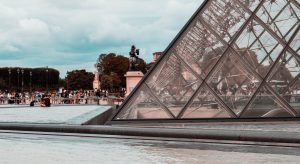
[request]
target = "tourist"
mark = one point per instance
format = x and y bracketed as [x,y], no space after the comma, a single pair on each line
[32,103]
[45,102]
[77,97]
[17,98]
[97,94]
[1,98]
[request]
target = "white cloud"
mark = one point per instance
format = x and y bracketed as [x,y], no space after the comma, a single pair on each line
[33,26]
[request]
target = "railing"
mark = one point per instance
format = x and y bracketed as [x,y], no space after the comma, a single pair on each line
[112,100]
[91,100]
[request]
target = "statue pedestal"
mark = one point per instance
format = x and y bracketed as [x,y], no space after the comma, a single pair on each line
[132,79]
[96,82]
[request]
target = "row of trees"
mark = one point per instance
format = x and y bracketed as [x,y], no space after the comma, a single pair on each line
[32,78]
[41,79]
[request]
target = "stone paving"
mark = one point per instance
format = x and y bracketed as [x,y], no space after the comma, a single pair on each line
[50,115]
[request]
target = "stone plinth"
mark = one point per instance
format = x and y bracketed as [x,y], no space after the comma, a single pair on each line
[96,82]
[132,79]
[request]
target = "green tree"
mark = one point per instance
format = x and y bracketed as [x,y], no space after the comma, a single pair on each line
[113,65]
[116,82]
[2,84]
[106,82]
[79,79]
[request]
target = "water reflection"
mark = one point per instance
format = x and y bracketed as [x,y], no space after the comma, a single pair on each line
[33,149]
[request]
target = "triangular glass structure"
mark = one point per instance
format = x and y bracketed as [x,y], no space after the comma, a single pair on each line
[234,59]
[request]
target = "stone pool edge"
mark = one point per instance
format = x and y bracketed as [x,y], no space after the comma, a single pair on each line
[184,133]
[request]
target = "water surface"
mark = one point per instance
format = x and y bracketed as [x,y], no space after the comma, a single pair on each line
[48,149]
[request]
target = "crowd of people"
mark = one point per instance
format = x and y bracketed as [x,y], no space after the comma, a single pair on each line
[55,97]
[12,97]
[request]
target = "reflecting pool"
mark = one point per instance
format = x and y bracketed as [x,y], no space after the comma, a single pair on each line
[77,149]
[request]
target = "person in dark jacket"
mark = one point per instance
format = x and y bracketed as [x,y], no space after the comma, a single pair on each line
[45,101]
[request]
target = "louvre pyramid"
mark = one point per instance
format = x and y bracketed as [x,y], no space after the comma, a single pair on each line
[234,59]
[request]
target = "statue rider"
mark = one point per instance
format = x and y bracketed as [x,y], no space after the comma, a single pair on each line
[133,59]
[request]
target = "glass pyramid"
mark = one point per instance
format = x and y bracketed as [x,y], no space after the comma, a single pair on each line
[234,59]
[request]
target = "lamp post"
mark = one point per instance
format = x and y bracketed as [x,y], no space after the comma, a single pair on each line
[9,74]
[47,78]
[30,74]
[22,71]
[18,71]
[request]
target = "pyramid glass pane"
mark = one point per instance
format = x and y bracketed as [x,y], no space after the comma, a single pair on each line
[258,47]
[233,83]
[225,17]
[295,44]
[281,16]
[250,4]
[143,106]
[173,84]
[285,79]
[205,105]
[200,48]
[265,105]
[234,59]
[295,6]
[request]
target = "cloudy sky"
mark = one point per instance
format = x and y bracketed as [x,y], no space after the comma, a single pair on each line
[70,34]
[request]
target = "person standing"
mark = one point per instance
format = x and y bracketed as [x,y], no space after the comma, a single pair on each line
[97,94]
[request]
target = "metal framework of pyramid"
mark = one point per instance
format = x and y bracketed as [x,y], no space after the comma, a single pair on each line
[234,59]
